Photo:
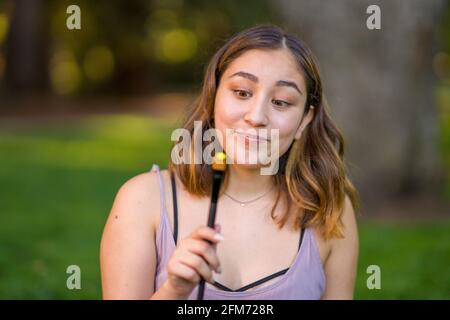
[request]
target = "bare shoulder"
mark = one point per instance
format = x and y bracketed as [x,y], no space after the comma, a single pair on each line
[139,197]
[127,249]
[350,232]
[348,219]
[341,264]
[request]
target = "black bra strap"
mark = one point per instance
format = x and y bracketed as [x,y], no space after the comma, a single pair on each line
[260,281]
[301,238]
[175,207]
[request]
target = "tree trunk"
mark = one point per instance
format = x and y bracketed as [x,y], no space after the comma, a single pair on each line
[379,84]
[27,47]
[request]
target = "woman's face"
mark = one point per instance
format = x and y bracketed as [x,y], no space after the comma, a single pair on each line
[261,89]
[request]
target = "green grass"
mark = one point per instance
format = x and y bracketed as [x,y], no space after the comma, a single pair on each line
[57,184]
[58,181]
[414,258]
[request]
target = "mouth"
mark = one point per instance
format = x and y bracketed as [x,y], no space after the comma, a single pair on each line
[251,138]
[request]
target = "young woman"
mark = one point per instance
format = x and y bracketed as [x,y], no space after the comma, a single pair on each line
[289,235]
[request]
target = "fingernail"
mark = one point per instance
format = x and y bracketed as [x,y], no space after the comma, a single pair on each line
[217,227]
[219,269]
[219,237]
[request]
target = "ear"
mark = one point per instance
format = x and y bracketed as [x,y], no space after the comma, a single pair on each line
[306,120]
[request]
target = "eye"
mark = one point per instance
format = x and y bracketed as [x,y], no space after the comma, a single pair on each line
[281,103]
[242,93]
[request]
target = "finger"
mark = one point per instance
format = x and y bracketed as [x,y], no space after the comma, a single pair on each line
[199,265]
[207,251]
[183,271]
[207,233]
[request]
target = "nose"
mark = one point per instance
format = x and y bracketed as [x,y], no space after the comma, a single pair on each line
[256,115]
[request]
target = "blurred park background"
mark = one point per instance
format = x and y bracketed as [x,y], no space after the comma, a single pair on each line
[82,111]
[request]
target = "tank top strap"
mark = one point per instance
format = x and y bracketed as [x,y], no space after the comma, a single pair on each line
[164,214]
[163,211]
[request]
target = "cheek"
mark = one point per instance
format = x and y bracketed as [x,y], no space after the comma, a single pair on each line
[226,113]
[287,126]
[225,116]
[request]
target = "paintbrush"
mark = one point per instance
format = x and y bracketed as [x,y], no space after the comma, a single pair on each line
[218,166]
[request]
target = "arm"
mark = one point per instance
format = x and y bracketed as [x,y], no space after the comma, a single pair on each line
[127,250]
[340,267]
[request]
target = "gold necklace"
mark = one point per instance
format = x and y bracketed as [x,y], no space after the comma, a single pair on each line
[244,203]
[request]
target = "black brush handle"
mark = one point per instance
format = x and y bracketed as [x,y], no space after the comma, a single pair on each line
[217,178]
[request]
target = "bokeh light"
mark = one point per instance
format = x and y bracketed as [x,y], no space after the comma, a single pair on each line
[3,27]
[65,73]
[176,46]
[98,64]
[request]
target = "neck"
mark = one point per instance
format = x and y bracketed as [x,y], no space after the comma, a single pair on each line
[247,183]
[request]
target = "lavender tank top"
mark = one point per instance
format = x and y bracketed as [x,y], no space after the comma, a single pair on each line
[303,280]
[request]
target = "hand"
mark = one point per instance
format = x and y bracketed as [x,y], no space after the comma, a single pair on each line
[194,259]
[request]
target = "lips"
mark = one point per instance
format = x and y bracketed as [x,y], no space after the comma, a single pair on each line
[251,137]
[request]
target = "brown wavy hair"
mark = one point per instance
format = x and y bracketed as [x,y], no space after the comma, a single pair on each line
[312,175]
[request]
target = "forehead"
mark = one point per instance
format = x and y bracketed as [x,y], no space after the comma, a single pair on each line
[267,65]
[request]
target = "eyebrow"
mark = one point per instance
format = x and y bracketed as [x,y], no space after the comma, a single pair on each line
[279,83]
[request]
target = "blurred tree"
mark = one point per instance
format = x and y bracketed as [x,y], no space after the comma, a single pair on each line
[380,87]
[27,47]
[123,47]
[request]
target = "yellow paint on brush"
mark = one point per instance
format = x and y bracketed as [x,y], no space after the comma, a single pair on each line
[219,163]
